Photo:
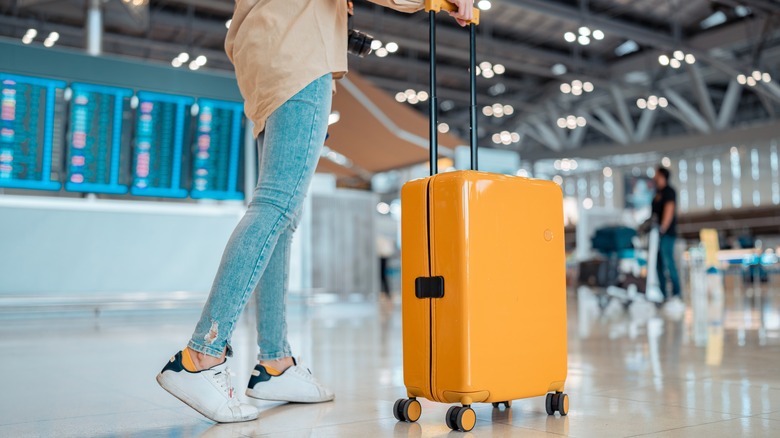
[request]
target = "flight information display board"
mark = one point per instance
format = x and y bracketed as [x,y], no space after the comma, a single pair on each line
[31,122]
[96,150]
[162,130]
[215,170]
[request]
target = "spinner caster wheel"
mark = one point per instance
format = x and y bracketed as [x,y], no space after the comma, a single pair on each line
[461,418]
[407,409]
[559,402]
[508,404]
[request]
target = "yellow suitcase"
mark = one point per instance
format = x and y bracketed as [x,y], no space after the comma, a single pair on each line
[484,287]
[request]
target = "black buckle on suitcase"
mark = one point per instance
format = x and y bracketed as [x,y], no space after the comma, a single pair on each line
[429,287]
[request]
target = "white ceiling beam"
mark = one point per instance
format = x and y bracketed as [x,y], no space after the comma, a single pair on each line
[687,111]
[702,94]
[729,106]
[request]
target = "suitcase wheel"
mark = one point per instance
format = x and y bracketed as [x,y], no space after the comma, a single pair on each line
[557,402]
[407,409]
[507,403]
[461,418]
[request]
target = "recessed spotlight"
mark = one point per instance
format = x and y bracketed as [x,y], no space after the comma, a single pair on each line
[391,47]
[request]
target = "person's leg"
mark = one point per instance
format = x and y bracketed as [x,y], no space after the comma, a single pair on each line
[383,276]
[659,265]
[667,246]
[294,136]
[270,302]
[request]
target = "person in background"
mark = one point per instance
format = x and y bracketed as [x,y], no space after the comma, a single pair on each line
[665,210]
[286,54]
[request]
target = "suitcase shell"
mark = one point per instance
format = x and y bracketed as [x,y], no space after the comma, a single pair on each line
[499,331]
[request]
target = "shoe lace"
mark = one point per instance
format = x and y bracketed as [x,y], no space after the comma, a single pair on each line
[225,381]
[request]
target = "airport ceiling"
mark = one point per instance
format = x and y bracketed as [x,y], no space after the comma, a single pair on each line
[632,89]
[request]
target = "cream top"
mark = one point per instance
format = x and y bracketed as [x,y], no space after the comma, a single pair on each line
[278,47]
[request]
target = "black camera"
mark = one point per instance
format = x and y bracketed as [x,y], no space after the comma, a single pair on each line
[358,43]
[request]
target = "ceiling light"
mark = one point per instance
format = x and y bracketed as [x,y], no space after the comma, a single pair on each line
[581,121]
[663,60]
[484,5]
[410,93]
[413,100]
[570,37]
[194,65]
[607,172]
[27,39]
[679,55]
[444,128]
[381,52]
[584,31]
[558,69]
[588,87]
[508,110]
[756,74]
[587,203]
[662,102]
[652,100]
[422,96]
[391,47]
[742,79]
[32,33]
[565,88]
[583,40]
[376,44]
[576,91]
[690,59]
[557,164]
[50,43]
[515,137]
[176,62]
[666,162]
[488,111]
[641,103]
[557,179]
[675,63]
[487,74]
[561,123]
[496,138]
[400,97]
[201,60]
[183,57]
[766,78]
[499,69]
[597,34]
[751,81]
[484,65]
[54,37]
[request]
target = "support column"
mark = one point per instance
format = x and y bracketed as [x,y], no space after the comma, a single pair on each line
[95,27]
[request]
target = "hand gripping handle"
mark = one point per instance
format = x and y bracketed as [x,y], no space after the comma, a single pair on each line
[439,5]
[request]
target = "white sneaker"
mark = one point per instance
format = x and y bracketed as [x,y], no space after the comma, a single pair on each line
[674,308]
[209,392]
[296,384]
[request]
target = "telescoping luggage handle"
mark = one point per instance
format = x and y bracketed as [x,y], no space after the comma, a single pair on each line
[432,7]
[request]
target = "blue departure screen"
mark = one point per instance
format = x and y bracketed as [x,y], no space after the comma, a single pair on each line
[95,149]
[215,173]
[30,132]
[161,131]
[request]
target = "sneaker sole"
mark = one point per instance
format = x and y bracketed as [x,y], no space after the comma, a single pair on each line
[179,394]
[259,396]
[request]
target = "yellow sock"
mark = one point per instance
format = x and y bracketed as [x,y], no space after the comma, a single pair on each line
[186,360]
[272,371]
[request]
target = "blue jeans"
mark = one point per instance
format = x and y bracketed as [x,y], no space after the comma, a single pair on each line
[257,256]
[666,263]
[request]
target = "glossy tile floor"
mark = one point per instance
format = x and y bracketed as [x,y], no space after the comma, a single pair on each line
[710,372]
